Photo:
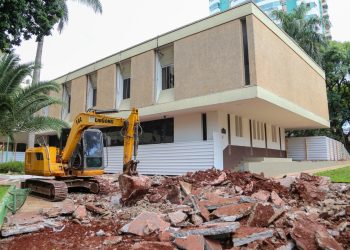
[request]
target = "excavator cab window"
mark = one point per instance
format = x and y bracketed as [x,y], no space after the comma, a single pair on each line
[93,148]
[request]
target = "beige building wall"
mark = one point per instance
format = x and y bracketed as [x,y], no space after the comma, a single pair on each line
[280,70]
[55,110]
[78,99]
[142,80]
[210,61]
[106,87]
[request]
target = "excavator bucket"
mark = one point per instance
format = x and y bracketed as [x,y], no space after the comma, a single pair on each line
[133,186]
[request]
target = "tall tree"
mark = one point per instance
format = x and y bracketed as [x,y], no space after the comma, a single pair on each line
[94,4]
[22,19]
[305,30]
[18,106]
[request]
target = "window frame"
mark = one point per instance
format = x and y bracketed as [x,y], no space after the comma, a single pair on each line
[169,82]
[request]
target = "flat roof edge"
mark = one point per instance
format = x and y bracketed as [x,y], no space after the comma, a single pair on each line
[206,23]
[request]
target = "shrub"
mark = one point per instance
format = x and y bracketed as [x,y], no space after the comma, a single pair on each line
[12,166]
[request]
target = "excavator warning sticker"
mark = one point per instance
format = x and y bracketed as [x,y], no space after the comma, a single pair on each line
[91,119]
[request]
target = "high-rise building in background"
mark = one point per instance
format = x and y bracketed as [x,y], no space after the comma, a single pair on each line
[317,7]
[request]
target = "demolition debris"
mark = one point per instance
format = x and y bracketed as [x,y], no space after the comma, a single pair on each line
[202,210]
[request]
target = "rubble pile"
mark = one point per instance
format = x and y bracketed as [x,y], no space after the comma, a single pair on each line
[213,210]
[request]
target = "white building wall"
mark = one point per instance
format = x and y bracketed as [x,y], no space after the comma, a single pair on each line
[240,141]
[212,124]
[270,143]
[188,127]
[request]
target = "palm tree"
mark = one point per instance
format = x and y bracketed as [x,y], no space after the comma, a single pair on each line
[19,106]
[94,4]
[305,30]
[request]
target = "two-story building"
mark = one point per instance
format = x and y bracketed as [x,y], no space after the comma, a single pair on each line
[209,94]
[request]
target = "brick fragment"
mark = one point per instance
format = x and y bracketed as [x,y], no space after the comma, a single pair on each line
[80,212]
[262,195]
[276,199]
[177,217]
[211,244]
[237,210]
[191,242]
[261,215]
[145,223]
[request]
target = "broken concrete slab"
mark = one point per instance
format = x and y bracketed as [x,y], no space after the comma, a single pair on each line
[145,223]
[24,218]
[276,199]
[214,201]
[190,242]
[261,195]
[287,181]
[326,241]
[92,208]
[209,230]
[65,207]
[15,230]
[177,217]
[245,235]
[153,245]
[186,187]
[261,215]
[201,208]
[237,210]
[211,244]
[303,232]
[222,177]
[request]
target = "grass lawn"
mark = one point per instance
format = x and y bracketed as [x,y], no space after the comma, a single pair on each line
[3,190]
[337,175]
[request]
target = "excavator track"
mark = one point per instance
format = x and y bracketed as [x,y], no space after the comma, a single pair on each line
[49,189]
[103,185]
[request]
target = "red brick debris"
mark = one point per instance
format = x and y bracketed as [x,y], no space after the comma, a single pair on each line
[209,209]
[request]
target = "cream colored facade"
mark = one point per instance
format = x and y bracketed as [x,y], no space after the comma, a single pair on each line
[284,89]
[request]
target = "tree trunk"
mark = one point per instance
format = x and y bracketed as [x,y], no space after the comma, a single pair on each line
[35,80]
[39,53]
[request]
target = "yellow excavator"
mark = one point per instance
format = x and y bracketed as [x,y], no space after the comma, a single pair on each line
[80,161]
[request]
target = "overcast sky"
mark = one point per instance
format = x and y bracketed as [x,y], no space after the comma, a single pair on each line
[89,37]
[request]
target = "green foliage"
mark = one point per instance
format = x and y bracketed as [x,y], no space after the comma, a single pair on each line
[22,19]
[12,166]
[337,175]
[19,107]
[304,30]
[3,190]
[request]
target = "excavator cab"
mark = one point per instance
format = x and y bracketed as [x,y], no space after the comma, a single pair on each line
[93,149]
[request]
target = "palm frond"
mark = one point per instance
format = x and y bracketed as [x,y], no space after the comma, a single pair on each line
[94,4]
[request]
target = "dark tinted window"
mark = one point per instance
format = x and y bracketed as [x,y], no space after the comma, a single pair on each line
[126,88]
[94,97]
[168,77]
[21,147]
[153,132]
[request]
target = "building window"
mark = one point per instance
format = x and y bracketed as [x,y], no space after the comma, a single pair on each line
[262,131]
[153,132]
[274,136]
[69,100]
[168,77]
[204,126]
[66,98]
[126,88]
[254,129]
[239,126]
[91,93]
[94,96]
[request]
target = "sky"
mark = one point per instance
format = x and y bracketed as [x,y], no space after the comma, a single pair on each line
[89,37]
